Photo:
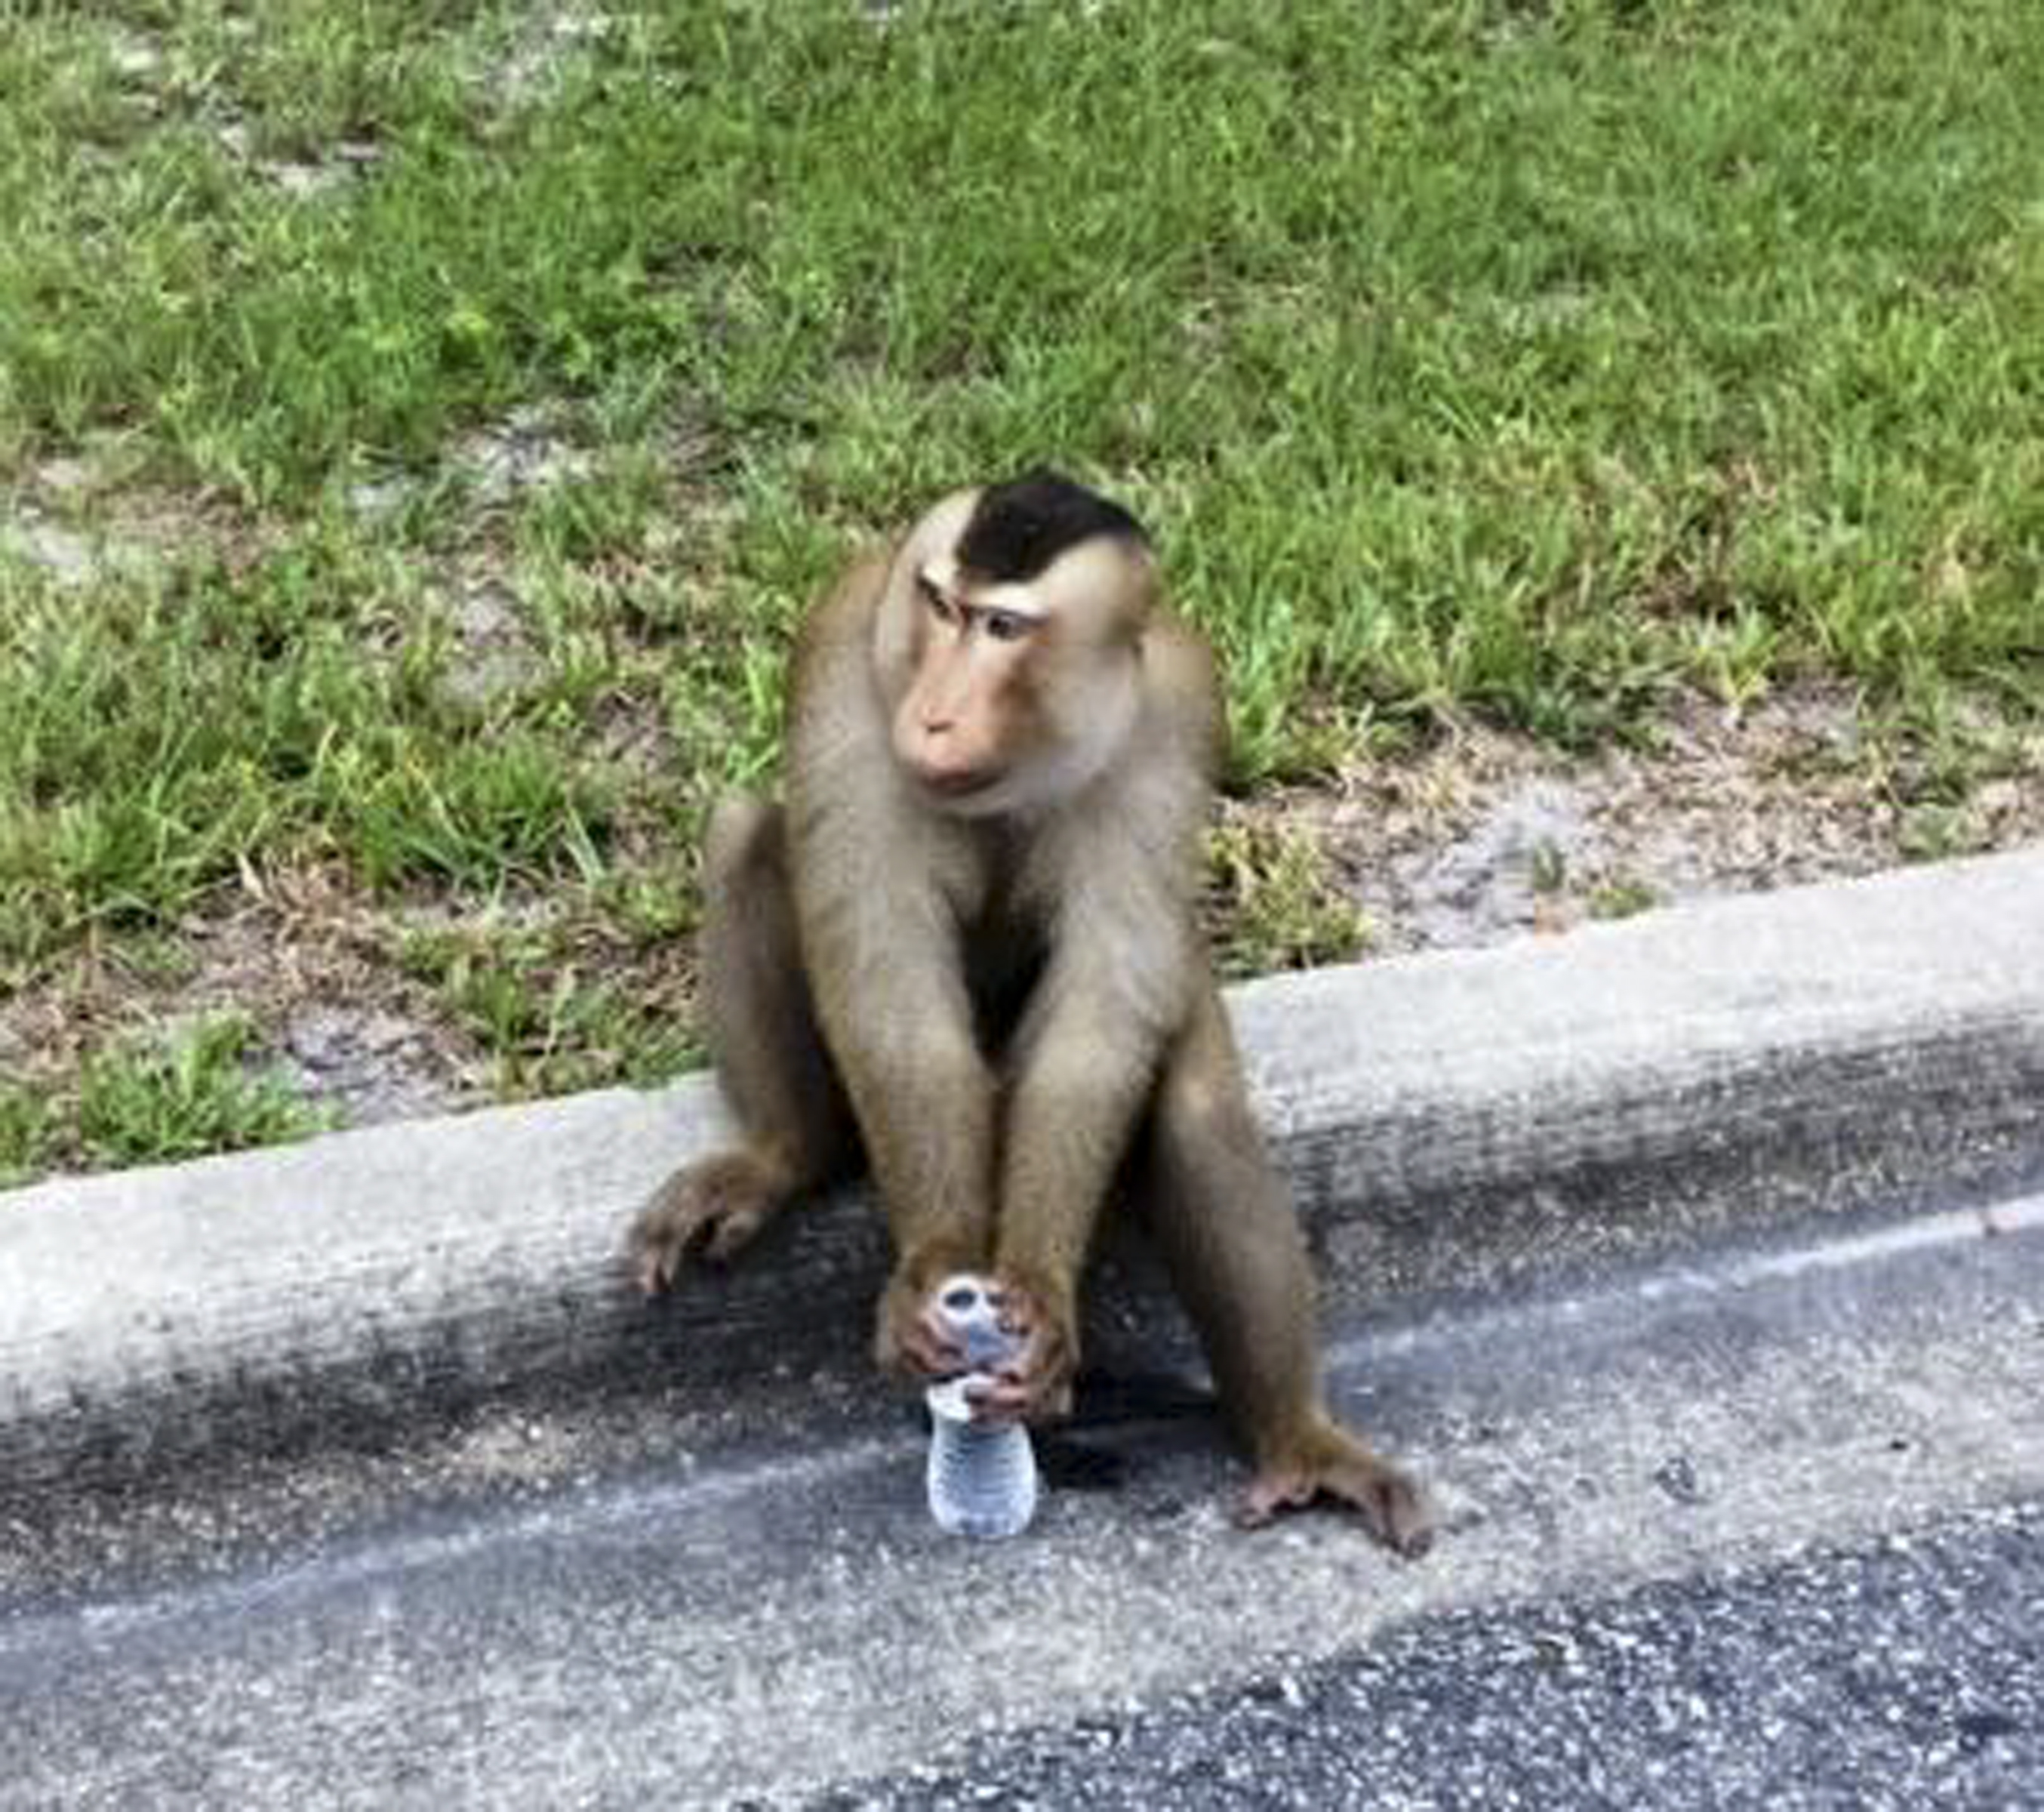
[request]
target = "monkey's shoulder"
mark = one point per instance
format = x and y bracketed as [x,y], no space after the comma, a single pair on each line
[833,706]
[1182,693]
[838,628]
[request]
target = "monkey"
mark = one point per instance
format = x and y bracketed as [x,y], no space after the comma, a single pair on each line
[964,953]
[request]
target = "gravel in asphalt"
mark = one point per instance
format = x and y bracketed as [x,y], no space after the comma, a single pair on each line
[1907,1672]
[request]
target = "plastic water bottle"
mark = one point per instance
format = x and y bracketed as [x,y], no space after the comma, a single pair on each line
[982,1477]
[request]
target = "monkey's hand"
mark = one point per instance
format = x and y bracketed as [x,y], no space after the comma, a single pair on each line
[1326,1461]
[911,1339]
[1035,1384]
[708,1210]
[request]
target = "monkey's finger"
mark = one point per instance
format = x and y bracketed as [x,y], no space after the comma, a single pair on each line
[997,1403]
[918,1348]
[643,1248]
[934,1336]
[1020,1394]
[933,1357]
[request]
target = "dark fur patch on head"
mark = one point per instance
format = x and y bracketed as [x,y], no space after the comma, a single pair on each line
[1019,527]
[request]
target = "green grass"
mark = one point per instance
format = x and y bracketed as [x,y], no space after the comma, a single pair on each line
[1527,361]
[555,1008]
[27,1139]
[157,1101]
[1621,898]
[1277,905]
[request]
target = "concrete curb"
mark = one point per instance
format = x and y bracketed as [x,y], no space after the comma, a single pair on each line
[1457,1123]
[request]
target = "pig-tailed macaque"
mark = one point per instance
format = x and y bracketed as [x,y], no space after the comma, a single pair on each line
[965,953]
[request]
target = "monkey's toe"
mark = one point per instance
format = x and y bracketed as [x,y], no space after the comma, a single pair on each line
[1393,1506]
[713,1209]
[1397,1513]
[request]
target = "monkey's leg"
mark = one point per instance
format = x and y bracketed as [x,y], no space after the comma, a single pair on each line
[795,1124]
[1232,1245]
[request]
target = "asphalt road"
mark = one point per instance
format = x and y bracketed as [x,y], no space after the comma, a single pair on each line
[1763,1528]
[1907,1672]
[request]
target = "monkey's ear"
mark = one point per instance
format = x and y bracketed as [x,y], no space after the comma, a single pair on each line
[1147,580]
[932,538]
[1107,587]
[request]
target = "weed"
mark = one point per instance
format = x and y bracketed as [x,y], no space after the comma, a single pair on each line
[27,1141]
[1277,904]
[538,1001]
[1620,899]
[159,1101]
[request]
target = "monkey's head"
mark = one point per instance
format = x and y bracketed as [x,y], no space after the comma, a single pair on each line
[1008,644]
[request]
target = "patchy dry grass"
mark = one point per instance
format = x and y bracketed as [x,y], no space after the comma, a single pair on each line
[420,426]
[1488,833]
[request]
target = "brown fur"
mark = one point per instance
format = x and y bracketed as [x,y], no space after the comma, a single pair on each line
[1000,998]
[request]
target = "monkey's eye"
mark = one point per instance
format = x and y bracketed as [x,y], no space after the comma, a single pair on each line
[941,607]
[1007,625]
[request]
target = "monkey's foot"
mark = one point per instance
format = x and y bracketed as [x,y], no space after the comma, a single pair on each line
[709,1210]
[1334,1464]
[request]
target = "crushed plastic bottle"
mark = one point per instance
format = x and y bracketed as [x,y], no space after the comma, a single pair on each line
[982,1477]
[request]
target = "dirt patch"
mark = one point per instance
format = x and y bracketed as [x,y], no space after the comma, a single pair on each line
[370,1064]
[302,177]
[529,449]
[1487,836]
[91,517]
[486,619]
[549,47]
[303,961]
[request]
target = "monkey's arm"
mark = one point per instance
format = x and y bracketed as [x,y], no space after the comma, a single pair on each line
[1089,1067]
[903,1037]
[900,1027]
[875,885]
[1125,963]
[1128,967]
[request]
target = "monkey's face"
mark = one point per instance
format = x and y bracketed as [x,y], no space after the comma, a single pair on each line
[1013,693]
